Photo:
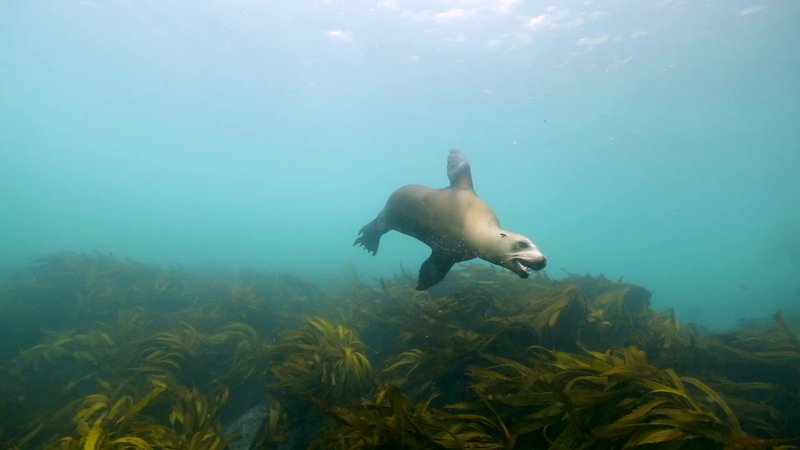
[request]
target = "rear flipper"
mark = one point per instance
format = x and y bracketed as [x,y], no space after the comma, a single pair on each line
[433,270]
[369,237]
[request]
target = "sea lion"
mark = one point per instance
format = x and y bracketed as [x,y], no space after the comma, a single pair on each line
[454,223]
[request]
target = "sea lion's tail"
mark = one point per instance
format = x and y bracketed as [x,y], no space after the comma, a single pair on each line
[369,237]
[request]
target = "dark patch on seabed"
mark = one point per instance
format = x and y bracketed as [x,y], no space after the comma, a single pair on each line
[103,353]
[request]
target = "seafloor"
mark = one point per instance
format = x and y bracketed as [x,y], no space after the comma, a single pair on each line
[103,353]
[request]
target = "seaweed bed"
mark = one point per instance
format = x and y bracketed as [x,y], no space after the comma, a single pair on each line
[103,353]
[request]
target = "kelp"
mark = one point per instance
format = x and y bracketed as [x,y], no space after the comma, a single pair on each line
[276,427]
[552,316]
[134,332]
[610,399]
[323,358]
[391,420]
[107,353]
[113,420]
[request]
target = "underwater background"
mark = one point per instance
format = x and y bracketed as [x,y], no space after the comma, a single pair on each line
[181,183]
[656,141]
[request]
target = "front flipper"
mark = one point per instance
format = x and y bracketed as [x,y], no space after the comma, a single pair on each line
[434,269]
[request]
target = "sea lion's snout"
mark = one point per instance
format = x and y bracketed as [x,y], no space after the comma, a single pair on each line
[523,257]
[538,263]
[521,264]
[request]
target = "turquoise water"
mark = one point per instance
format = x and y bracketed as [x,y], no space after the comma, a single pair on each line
[655,141]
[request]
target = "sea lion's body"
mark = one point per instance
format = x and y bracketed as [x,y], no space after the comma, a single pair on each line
[454,223]
[449,220]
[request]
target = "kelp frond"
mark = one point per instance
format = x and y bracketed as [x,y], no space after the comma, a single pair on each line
[324,358]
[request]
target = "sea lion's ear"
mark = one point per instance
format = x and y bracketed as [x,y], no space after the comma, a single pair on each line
[458,170]
[433,270]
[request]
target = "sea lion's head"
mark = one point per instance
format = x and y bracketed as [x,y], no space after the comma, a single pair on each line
[516,253]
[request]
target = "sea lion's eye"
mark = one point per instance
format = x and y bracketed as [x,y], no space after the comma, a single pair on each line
[521,245]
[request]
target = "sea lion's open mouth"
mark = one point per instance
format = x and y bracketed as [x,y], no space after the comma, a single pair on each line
[521,266]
